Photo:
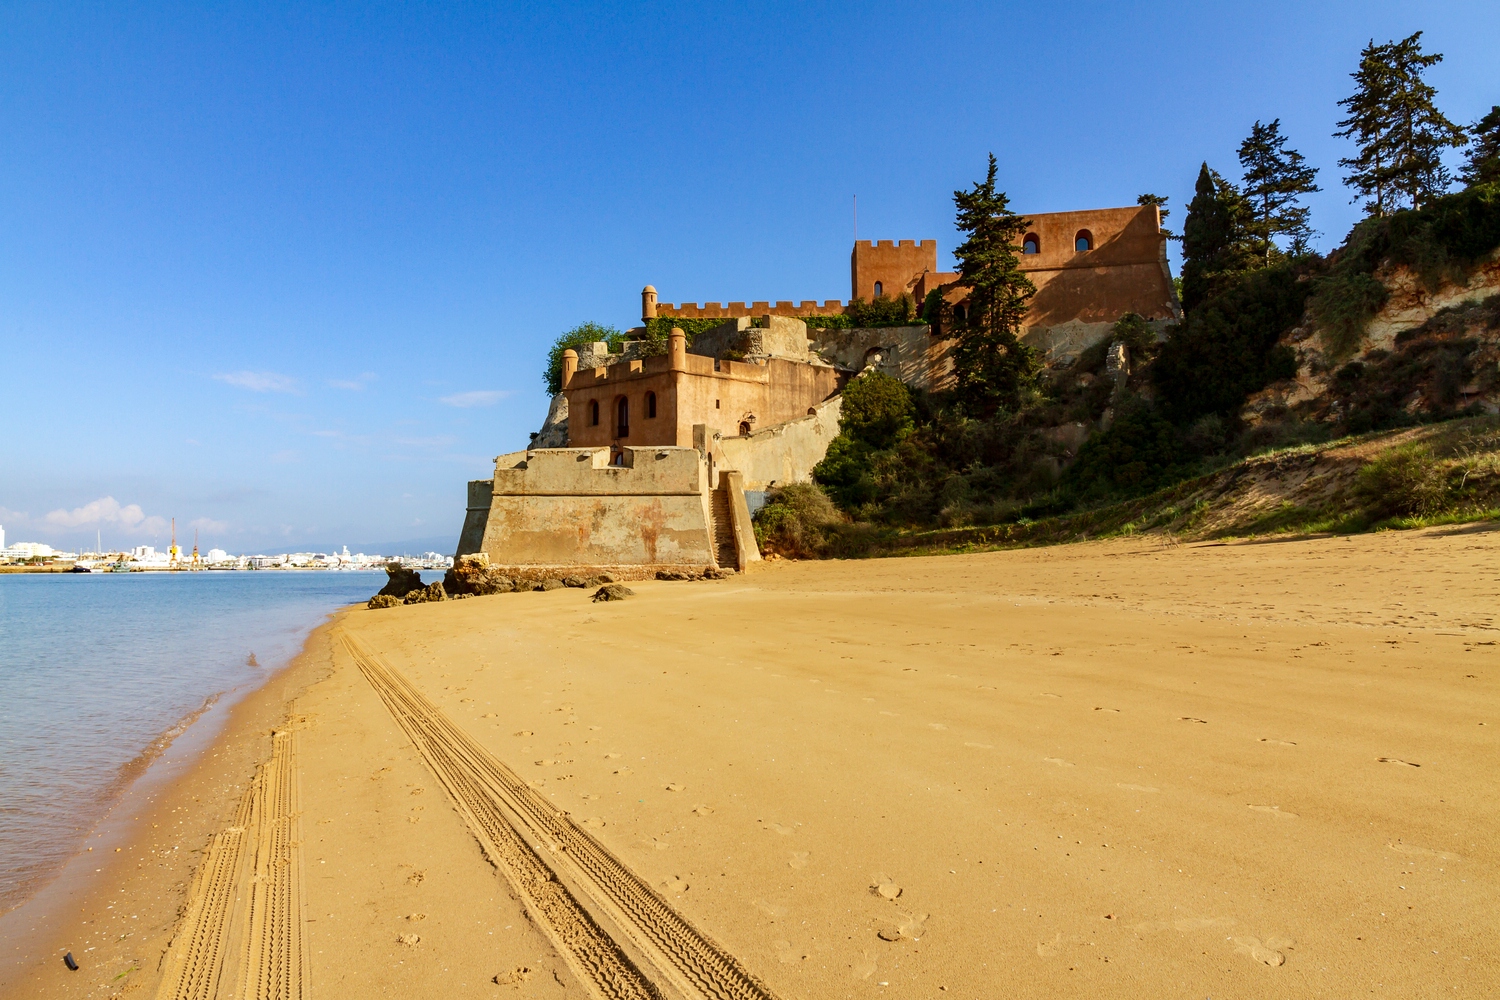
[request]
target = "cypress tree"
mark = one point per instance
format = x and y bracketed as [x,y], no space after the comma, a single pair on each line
[1214,242]
[1275,179]
[1401,133]
[1484,157]
[993,367]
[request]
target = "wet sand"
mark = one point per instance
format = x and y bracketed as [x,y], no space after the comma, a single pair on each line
[1107,770]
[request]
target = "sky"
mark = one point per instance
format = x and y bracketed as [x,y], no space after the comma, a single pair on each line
[288,273]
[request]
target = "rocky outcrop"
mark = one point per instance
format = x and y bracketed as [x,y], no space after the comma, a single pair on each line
[613,592]
[424,595]
[383,601]
[1411,303]
[400,581]
[474,575]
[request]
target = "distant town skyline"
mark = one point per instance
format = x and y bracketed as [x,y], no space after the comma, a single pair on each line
[290,276]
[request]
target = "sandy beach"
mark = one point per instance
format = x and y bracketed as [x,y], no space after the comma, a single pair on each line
[1114,769]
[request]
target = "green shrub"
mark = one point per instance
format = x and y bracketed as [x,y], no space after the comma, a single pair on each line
[1343,305]
[1405,483]
[1227,348]
[580,336]
[876,415]
[1140,452]
[793,520]
[900,310]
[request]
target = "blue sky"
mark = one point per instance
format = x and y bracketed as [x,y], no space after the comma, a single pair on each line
[289,273]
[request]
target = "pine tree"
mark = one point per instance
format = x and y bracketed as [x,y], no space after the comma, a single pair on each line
[993,367]
[1400,132]
[1215,245]
[1484,158]
[1275,178]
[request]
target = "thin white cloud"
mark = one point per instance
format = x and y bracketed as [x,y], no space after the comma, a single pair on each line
[209,526]
[354,384]
[108,511]
[479,397]
[259,381]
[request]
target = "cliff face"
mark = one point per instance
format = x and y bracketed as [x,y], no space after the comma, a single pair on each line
[1427,354]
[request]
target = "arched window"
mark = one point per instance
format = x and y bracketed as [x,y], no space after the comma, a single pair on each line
[650,406]
[593,413]
[1084,241]
[744,428]
[622,417]
[879,289]
[1032,243]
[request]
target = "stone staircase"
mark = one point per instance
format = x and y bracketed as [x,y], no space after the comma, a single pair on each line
[723,528]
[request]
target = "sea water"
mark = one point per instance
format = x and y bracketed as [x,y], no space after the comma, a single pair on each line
[98,671]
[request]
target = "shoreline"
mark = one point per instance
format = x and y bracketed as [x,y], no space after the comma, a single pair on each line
[184,792]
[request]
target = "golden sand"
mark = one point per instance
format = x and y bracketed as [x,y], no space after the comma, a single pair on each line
[1121,769]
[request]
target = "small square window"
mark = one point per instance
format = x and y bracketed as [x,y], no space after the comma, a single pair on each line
[716,404]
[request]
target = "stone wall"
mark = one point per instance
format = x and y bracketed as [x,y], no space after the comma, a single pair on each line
[785,453]
[779,337]
[909,353]
[569,509]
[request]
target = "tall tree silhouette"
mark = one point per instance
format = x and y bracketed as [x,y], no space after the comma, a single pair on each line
[1275,180]
[1215,244]
[992,366]
[1484,156]
[1400,133]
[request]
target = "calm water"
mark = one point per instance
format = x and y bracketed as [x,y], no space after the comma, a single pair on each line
[95,668]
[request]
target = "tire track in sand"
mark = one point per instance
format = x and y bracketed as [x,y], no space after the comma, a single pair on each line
[573,886]
[241,933]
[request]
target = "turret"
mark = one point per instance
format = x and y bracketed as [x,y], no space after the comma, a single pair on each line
[677,344]
[570,366]
[648,304]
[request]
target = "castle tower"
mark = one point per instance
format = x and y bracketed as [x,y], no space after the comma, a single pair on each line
[648,304]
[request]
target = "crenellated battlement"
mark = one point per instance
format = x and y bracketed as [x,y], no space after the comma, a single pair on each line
[736,310]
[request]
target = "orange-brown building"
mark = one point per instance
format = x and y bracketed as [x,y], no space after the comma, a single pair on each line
[659,401]
[1089,268]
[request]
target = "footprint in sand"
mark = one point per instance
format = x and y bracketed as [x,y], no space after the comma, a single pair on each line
[1397,760]
[1058,761]
[1280,743]
[593,823]
[980,746]
[886,889]
[1189,718]
[1274,811]
[1099,708]
[674,886]
[675,787]
[1136,788]
[702,810]
[786,954]
[785,831]
[936,725]
[1046,949]
[1266,952]
[769,909]
[799,859]
[524,732]
[1049,694]
[515,977]
[611,756]
[488,715]
[410,940]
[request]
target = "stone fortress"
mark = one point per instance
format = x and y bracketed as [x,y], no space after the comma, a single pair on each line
[649,464]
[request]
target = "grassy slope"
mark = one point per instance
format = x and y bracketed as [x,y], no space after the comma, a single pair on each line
[1305,489]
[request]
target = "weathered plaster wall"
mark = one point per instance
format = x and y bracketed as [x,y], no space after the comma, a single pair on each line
[909,353]
[785,453]
[718,394]
[569,509]
[779,337]
[897,266]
